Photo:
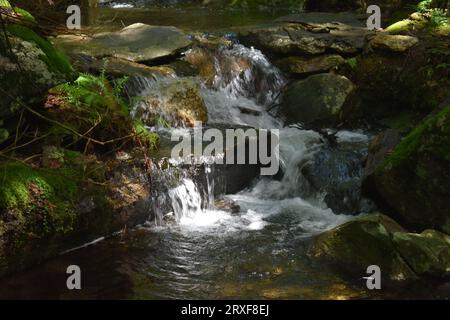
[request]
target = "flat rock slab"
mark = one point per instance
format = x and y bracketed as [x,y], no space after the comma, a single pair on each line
[311,33]
[137,43]
[395,43]
[306,65]
[142,43]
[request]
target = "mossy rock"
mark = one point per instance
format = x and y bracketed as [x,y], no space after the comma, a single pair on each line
[28,70]
[376,239]
[44,200]
[362,242]
[427,253]
[414,179]
[55,59]
[390,84]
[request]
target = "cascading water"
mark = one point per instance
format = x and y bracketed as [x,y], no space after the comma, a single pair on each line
[244,87]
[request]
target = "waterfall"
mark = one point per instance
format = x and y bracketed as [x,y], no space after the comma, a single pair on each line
[245,87]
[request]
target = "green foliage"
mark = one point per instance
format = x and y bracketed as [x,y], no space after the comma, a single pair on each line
[25,15]
[424,6]
[435,129]
[151,139]
[95,93]
[5,4]
[45,199]
[438,18]
[55,59]
[352,63]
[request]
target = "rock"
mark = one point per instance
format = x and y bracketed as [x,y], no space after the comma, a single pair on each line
[52,157]
[362,242]
[379,149]
[138,43]
[414,179]
[427,253]
[337,172]
[203,60]
[376,239]
[117,67]
[395,43]
[298,34]
[39,67]
[316,100]
[177,101]
[227,205]
[300,65]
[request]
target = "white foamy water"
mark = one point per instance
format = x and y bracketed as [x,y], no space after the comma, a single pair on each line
[246,85]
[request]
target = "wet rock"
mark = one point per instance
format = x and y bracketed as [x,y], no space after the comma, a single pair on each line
[227,205]
[117,67]
[137,42]
[394,43]
[309,34]
[141,43]
[362,242]
[203,60]
[376,239]
[303,65]
[177,101]
[427,253]
[413,180]
[318,99]
[337,172]
[379,149]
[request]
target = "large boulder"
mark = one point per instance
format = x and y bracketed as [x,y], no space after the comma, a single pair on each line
[414,179]
[176,102]
[375,239]
[319,99]
[137,42]
[362,242]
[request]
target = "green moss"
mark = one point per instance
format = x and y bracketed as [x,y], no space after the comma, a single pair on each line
[431,136]
[44,200]
[151,139]
[55,59]
[400,26]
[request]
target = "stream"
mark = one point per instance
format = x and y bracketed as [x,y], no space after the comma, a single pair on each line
[191,249]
